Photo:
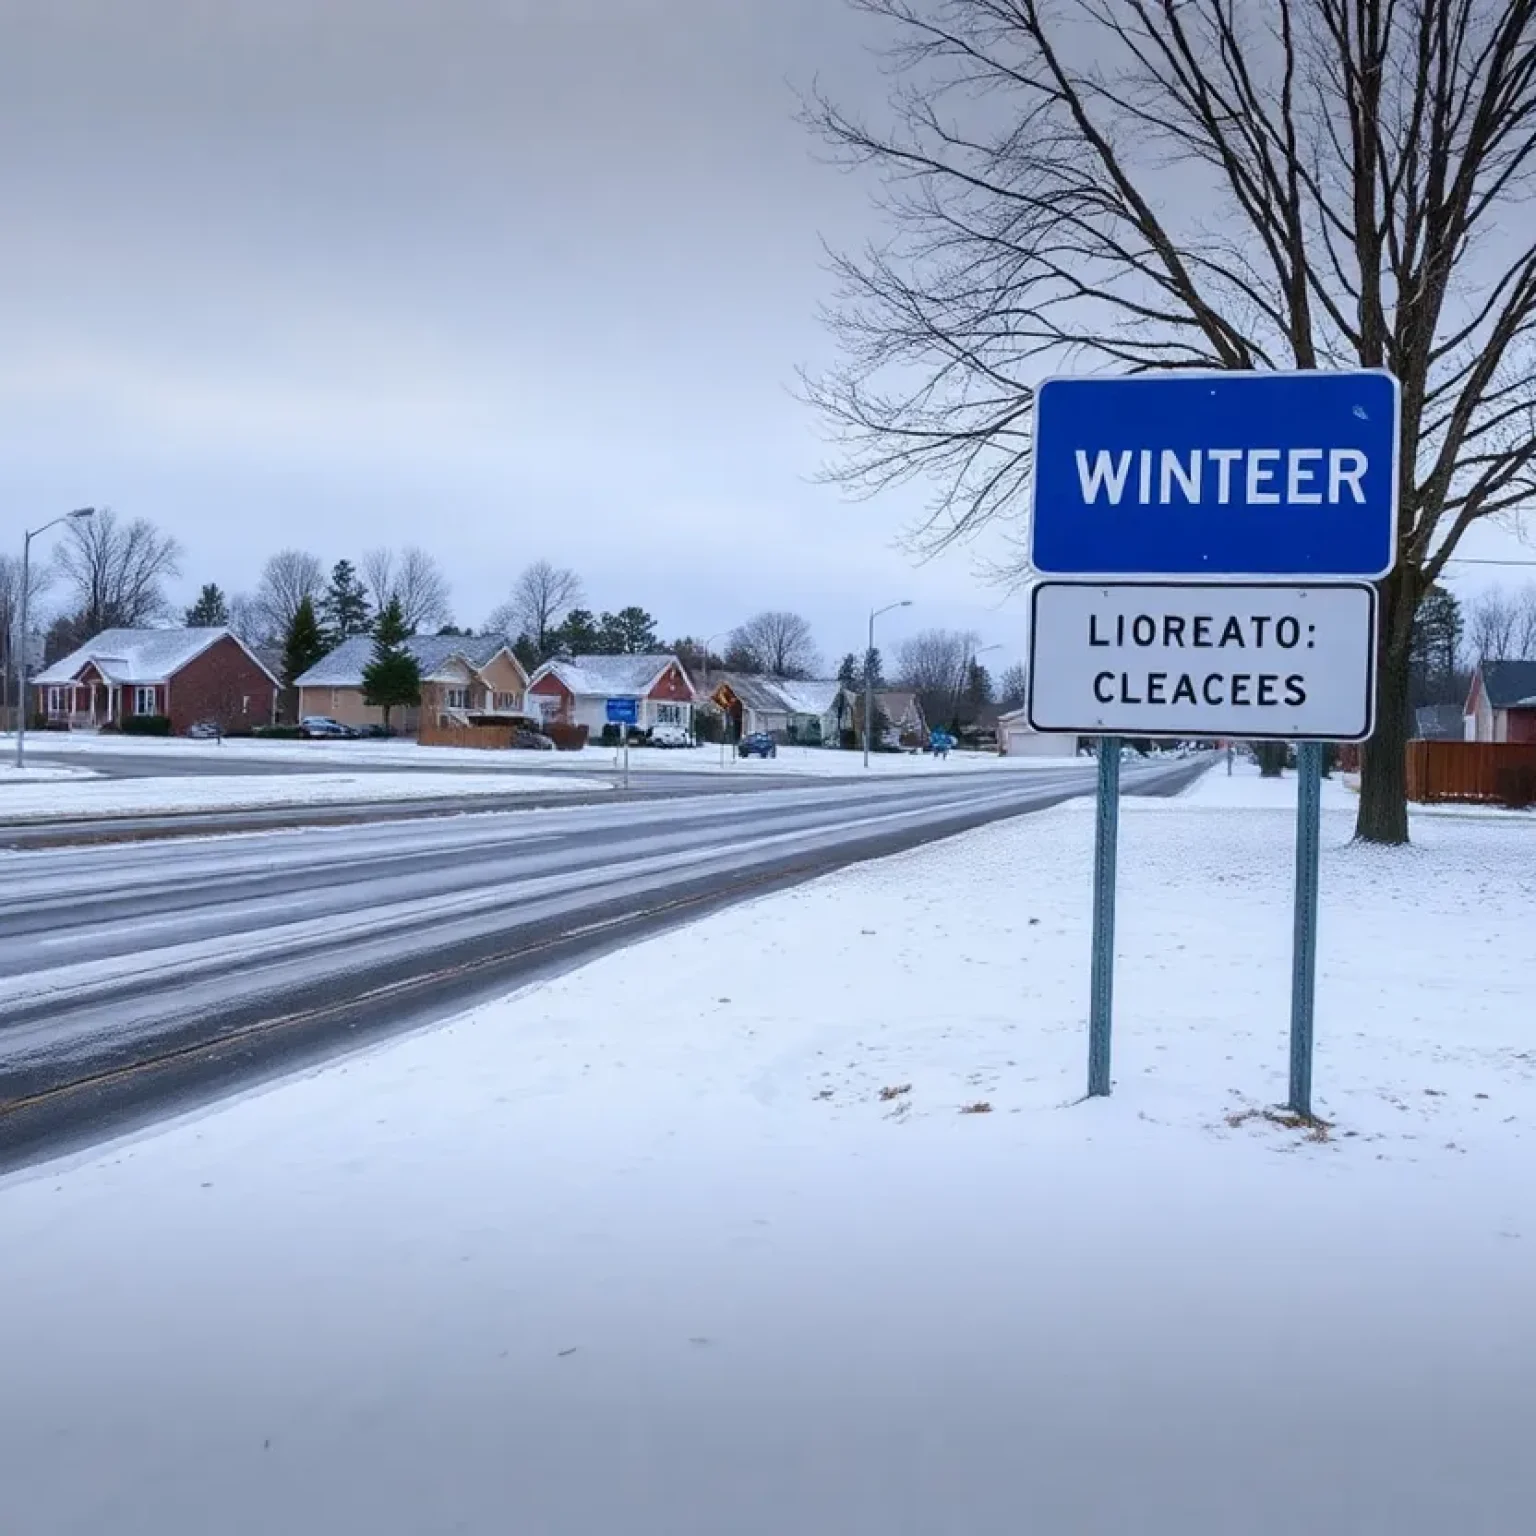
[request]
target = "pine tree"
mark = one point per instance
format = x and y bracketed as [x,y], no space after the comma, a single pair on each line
[392,678]
[210,611]
[629,632]
[848,673]
[344,607]
[304,644]
[874,667]
[578,635]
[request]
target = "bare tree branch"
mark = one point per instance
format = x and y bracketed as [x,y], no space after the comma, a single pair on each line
[116,571]
[415,580]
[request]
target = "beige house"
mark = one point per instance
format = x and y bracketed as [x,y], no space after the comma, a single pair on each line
[460,675]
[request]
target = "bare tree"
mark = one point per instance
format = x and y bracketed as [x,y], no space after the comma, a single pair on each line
[778,643]
[12,644]
[287,579]
[1013,687]
[1501,625]
[541,597]
[116,571]
[415,580]
[1132,185]
[933,663]
[248,620]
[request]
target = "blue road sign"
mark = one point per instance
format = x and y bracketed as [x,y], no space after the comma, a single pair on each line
[1216,475]
[623,711]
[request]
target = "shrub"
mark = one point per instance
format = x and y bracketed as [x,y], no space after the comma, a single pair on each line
[1515,786]
[567,738]
[147,725]
[279,732]
[610,735]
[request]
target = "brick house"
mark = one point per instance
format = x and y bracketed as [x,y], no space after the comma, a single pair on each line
[460,675]
[576,690]
[1501,705]
[188,675]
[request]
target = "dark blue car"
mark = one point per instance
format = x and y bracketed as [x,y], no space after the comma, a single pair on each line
[758,744]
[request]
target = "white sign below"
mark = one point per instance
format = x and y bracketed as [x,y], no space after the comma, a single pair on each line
[1252,660]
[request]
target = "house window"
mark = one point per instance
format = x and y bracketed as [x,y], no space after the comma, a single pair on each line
[506,702]
[144,701]
[456,698]
[669,714]
[56,704]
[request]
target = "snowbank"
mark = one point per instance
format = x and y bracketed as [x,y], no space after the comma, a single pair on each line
[38,773]
[700,1238]
[54,801]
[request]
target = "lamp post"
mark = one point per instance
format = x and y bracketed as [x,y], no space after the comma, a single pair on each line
[724,731]
[869,677]
[78,515]
[965,672]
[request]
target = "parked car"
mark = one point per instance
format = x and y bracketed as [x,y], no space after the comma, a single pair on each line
[206,730]
[313,727]
[670,736]
[532,741]
[758,744]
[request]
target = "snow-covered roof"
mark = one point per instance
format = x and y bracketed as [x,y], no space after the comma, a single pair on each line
[1509,684]
[777,694]
[610,677]
[343,667]
[131,656]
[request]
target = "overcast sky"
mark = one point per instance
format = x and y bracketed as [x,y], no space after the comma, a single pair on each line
[507,279]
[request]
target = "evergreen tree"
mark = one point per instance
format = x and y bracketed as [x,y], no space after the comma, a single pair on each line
[978,686]
[344,606]
[629,632]
[848,673]
[303,645]
[392,678]
[527,652]
[578,635]
[1436,650]
[874,667]
[210,611]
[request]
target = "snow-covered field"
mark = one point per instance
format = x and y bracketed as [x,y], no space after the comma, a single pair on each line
[39,773]
[57,801]
[700,1241]
[790,760]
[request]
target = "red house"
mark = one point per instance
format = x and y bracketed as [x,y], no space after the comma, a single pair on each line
[576,690]
[189,675]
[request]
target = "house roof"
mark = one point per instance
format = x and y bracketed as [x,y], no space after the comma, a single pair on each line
[610,677]
[898,704]
[131,656]
[343,667]
[1509,684]
[779,695]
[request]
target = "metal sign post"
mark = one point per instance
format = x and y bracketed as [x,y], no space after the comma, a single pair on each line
[1101,986]
[624,713]
[1217,535]
[1309,794]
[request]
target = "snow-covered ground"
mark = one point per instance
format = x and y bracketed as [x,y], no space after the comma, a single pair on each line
[39,773]
[700,1241]
[790,760]
[59,801]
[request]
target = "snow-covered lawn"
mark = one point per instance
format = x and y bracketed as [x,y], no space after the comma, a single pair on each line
[39,773]
[699,1239]
[790,760]
[61,801]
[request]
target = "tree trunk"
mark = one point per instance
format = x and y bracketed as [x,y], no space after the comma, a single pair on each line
[1383,814]
[1271,756]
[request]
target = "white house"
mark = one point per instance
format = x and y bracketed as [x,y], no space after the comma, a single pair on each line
[575,690]
[1016,738]
[803,712]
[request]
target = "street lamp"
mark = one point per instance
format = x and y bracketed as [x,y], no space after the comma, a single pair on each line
[724,634]
[869,676]
[78,515]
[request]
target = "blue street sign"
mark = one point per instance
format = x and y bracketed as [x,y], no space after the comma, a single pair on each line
[1216,475]
[623,711]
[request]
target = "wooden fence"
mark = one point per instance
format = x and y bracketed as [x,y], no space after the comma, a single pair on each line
[494,738]
[1500,773]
